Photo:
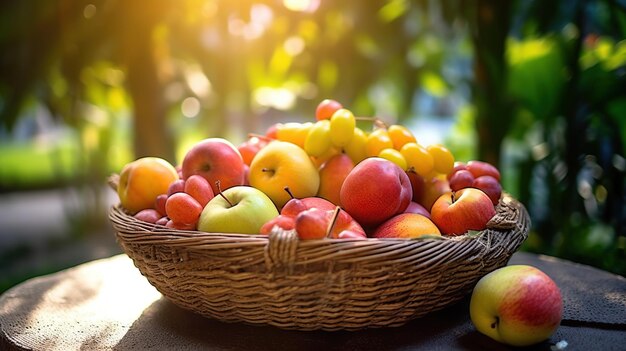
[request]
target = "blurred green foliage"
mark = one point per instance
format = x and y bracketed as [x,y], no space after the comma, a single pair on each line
[534,87]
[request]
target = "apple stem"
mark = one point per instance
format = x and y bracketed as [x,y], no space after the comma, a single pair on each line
[332,223]
[267,170]
[453,197]
[219,191]
[494,325]
[289,192]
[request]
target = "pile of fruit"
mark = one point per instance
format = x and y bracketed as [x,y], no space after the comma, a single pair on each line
[327,178]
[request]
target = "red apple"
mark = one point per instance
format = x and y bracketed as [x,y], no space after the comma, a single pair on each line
[295,205]
[480,168]
[149,215]
[282,221]
[461,179]
[159,204]
[490,186]
[315,223]
[332,175]
[457,212]
[407,226]
[177,186]
[414,207]
[199,188]
[326,109]
[458,165]
[375,190]
[418,185]
[215,159]
[183,208]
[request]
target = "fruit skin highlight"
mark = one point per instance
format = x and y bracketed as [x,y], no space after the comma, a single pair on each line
[375,190]
[518,305]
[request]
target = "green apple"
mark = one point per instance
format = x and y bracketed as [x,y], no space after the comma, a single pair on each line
[517,305]
[239,209]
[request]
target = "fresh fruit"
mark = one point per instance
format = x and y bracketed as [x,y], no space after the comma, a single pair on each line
[318,142]
[490,186]
[199,188]
[315,223]
[406,226]
[249,148]
[418,159]
[293,132]
[457,212]
[342,125]
[159,204]
[356,148]
[282,164]
[377,141]
[414,207]
[480,168]
[394,156]
[281,221]
[149,215]
[142,180]
[442,158]
[517,305]
[400,135]
[375,190]
[295,205]
[182,208]
[461,179]
[433,189]
[418,184]
[215,159]
[332,175]
[177,186]
[239,209]
[326,109]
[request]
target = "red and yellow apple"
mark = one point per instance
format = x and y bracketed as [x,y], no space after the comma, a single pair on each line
[332,175]
[282,164]
[406,226]
[375,190]
[457,212]
[315,223]
[142,180]
[517,305]
[215,159]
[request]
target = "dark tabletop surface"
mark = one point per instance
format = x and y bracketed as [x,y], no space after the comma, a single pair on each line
[107,304]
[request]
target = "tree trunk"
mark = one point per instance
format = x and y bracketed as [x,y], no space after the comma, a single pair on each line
[491,24]
[151,135]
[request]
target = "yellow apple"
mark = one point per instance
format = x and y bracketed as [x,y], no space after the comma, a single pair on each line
[142,180]
[282,164]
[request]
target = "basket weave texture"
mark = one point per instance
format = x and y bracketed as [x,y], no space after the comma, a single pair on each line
[328,284]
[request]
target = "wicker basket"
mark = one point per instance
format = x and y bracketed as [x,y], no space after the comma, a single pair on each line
[320,284]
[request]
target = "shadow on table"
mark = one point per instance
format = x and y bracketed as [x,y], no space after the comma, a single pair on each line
[164,325]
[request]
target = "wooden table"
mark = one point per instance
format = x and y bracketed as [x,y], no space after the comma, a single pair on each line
[107,304]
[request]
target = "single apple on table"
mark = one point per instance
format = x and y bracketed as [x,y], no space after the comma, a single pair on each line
[282,164]
[457,212]
[142,180]
[406,226]
[375,190]
[239,209]
[517,305]
[215,159]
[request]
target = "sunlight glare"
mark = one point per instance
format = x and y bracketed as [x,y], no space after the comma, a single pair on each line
[190,107]
[302,5]
[294,45]
[89,11]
